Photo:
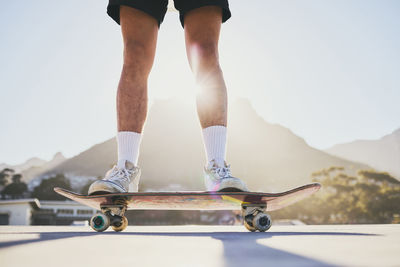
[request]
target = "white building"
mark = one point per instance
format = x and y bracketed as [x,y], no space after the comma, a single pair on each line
[67,209]
[31,211]
[17,211]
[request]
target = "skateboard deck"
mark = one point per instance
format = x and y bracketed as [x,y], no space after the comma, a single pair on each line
[194,200]
[252,204]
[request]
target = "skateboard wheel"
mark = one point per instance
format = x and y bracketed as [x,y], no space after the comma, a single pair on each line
[249,227]
[262,222]
[248,223]
[120,226]
[99,222]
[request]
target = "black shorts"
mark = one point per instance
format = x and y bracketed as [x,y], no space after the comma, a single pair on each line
[158,8]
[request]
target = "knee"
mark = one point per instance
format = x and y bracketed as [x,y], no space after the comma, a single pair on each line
[203,55]
[137,56]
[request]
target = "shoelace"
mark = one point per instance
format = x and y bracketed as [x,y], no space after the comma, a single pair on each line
[121,174]
[223,172]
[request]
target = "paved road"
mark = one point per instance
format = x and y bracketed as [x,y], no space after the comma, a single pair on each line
[323,245]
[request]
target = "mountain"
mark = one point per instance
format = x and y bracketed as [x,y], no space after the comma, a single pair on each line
[32,162]
[35,166]
[34,171]
[382,154]
[267,156]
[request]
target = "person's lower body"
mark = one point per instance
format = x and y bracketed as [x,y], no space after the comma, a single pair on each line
[201,19]
[158,8]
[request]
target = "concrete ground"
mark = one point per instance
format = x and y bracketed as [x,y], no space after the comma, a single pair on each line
[322,245]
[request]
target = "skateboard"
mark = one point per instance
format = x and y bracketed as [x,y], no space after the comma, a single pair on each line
[253,205]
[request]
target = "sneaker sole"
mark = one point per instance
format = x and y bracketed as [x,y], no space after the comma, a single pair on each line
[101,187]
[232,185]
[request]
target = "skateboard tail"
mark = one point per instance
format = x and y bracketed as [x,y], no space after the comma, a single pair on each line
[73,196]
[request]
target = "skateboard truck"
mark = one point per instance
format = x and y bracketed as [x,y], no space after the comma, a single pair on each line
[255,217]
[111,215]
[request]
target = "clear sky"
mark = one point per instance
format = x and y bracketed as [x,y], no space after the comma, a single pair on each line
[328,70]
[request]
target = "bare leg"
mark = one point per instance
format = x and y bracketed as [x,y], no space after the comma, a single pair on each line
[139,31]
[202,28]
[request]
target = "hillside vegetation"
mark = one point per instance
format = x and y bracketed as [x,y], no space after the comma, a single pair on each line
[368,197]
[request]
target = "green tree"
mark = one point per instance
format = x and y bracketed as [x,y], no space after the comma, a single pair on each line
[16,189]
[5,175]
[16,178]
[45,191]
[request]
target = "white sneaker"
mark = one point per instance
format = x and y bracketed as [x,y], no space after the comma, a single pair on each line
[220,179]
[117,180]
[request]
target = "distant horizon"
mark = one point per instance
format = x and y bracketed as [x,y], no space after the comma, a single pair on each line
[328,71]
[174,99]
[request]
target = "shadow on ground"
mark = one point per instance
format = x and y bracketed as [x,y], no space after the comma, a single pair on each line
[240,248]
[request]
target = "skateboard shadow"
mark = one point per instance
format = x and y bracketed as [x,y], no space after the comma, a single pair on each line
[242,249]
[239,248]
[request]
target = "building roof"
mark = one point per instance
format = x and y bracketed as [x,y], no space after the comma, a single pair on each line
[34,202]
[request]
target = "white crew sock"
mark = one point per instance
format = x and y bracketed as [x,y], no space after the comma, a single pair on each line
[215,143]
[128,147]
